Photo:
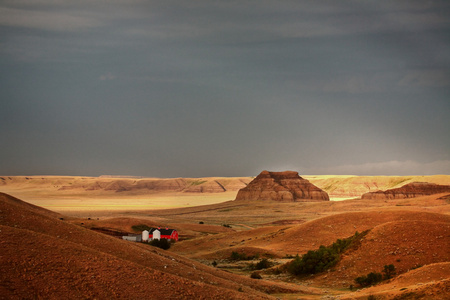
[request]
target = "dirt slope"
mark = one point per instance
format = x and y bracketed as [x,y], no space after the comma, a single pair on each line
[428,282]
[44,257]
[38,265]
[220,246]
[406,244]
[298,239]
[407,239]
[325,231]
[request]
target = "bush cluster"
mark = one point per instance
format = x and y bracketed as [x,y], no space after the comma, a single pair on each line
[389,272]
[262,264]
[241,256]
[161,243]
[374,277]
[369,279]
[316,261]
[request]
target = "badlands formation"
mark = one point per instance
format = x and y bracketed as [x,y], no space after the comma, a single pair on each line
[410,190]
[39,189]
[69,254]
[285,186]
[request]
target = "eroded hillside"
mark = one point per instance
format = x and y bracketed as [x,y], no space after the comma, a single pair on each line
[45,257]
[226,188]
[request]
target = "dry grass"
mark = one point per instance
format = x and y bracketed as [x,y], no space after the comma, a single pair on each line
[405,232]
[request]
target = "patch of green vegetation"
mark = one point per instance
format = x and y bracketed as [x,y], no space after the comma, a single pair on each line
[140,227]
[389,272]
[316,261]
[373,277]
[370,279]
[242,256]
[262,264]
[161,243]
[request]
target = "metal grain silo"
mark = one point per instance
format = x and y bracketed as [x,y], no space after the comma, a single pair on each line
[145,235]
[156,234]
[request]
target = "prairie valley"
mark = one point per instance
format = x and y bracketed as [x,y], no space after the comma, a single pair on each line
[212,226]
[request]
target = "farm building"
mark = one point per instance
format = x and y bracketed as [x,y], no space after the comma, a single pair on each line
[132,238]
[160,233]
[153,234]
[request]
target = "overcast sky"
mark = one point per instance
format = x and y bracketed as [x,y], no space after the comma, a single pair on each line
[224,88]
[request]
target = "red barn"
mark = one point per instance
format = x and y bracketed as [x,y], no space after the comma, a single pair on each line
[168,234]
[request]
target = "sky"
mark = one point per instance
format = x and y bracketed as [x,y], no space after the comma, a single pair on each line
[224,88]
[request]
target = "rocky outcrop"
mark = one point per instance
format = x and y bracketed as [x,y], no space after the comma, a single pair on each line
[285,186]
[410,190]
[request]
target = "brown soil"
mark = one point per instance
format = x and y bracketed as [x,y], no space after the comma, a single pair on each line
[42,256]
[406,244]
[428,282]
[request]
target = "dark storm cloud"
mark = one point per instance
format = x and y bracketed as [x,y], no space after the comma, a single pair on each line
[226,88]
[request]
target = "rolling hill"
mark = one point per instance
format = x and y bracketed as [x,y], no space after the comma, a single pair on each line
[45,257]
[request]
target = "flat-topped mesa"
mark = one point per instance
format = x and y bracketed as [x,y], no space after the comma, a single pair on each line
[410,190]
[285,186]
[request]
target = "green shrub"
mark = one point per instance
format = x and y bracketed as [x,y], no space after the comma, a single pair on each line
[236,256]
[240,256]
[374,278]
[262,264]
[161,243]
[316,261]
[369,279]
[389,272]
